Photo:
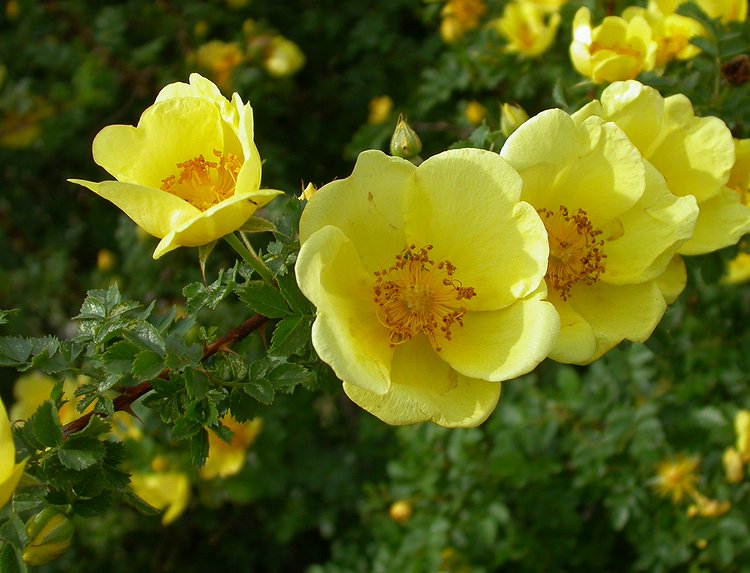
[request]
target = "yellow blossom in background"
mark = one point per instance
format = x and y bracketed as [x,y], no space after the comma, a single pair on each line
[742,429]
[20,129]
[427,284]
[671,32]
[283,57]
[738,270]
[10,471]
[615,50]
[733,465]
[528,28]
[547,5]
[475,112]
[460,16]
[727,10]
[705,507]
[219,59]
[226,459]
[400,511]
[694,154]
[609,257]
[164,490]
[106,260]
[511,117]
[380,109]
[189,173]
[677,478]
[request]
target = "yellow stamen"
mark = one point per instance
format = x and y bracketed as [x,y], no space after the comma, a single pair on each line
[204,183]
[417,295]
[575,253]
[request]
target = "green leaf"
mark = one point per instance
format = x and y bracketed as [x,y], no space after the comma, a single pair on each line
[46,426]
[263,299]
[79,454]
[196,383]
[199,448]
[291,335]
[261,390]
[5,313]
[243,406]
[293,295]
[287,374]
[10,560]
[147,365]
[14,350]
[147,336]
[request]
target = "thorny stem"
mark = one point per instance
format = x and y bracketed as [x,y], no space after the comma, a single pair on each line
[125,400]
[250,257]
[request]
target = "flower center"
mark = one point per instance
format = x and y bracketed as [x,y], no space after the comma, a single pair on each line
[204,183]
[575,253]
[418,295]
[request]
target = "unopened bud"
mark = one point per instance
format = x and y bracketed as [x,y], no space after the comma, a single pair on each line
[405,142]
[283,58]
[742,428]
[511,118]
[50,534]
[400,511]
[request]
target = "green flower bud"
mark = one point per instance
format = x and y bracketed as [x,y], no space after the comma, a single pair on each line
[50,533]
[405,141]
[511,118]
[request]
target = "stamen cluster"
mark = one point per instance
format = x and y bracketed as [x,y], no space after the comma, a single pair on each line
[204,183]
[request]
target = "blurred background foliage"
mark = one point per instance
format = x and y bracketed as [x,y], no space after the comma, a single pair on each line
[578,469]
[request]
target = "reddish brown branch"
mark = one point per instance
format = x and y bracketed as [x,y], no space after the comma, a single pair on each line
[124,401]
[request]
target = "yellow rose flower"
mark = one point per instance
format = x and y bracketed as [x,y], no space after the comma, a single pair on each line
[677,477]
[742,429]
[738,270]
[694,154]
[219,58]
[380,109]
[671,32]
[613,229]
[427,284]
[733,467]
[168,490]
[475,112]
[727,10]
[460,16]
[528,28]
[189,173]
[227,459]
[10,471]
[615,50]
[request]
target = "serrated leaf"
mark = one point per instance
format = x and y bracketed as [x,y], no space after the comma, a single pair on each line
[293,295]
[14,350]
[291,335]
[199,448]
[196,384]
[94,429]
[45,425]
[118,358]
[258,225]
[287,374]
[93,506]
[147,365]
[13,530]
[80,454]
[261,390]
[5,313]
[264,299]
[147,336]
[185,428]
[243,406]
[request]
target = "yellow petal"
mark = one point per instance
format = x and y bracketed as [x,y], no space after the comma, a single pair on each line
[346,333]
[722,221]
[425,388]
[465,203]
[155,211]
[673,280]
[215,222]
[618,312]
[592,166]
[7,447]
[168,133]
[8,486]
[695,154]
[576,342]
[502,344]
[366,206]
[652,231]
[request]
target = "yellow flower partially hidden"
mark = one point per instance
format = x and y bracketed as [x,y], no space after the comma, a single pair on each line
[226,459]
[283,57]
[10,471]
[427,284]
[613,227]
[677,478]
[460,16]
[528,28]
[219,59]
[671,32]
[727,10]
[163,490]
[694,154]
[615,50]
[742,429]
[189,173]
